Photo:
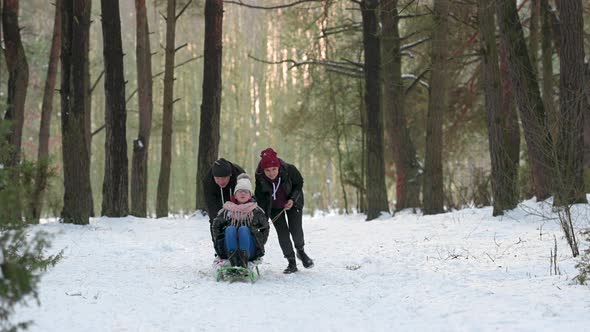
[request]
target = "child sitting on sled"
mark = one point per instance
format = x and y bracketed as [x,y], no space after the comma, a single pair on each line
[241,227]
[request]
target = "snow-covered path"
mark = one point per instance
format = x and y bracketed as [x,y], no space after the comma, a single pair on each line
[460,271]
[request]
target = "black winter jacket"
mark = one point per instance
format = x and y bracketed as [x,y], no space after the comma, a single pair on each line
[291,182]
[213,194]
[259,228]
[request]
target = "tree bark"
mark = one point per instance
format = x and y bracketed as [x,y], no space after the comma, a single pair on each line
[572,102]
[74,100]
[508,112]
[534,33]
[547,65]
[211,106]
[504,168]
[139,172]
[433,197]
[115,187]
[376,192]
[18,79]
[403,149]
[166,160]
[528,98]
[46,110]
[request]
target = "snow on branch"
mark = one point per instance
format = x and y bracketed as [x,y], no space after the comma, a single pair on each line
[417,79]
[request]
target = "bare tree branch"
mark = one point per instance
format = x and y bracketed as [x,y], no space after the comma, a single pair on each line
[187,61]
[417,79]
[292,4]
[96,82]
[182,10]
[160,73]
[412,34]
[131,96]
[355,74]
[416,43]
[98,130]
[401,17]
[407,53]
[180,47]
[342,66]
[406,6]
[340,29]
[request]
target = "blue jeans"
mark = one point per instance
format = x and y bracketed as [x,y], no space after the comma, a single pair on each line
[241,239]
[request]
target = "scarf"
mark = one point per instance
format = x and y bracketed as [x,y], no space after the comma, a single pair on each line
[239,214]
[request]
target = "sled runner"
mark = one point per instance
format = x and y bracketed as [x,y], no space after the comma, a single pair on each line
[224,271]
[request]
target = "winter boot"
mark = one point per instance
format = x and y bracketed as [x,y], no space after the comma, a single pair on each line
[307,262]
[234,258]
[244,258]
[292,267]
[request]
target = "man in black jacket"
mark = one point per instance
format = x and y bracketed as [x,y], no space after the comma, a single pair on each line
[279,191]
[218,185]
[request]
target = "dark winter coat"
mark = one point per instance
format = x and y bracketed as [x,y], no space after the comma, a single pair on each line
[258,226]
[213,194]
[291,183]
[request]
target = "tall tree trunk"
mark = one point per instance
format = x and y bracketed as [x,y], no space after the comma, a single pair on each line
[528,98]
[432,193]
[504,169]
[211,105]
[547,67]
[572,102]
[18,79]
[166,160]
[74,69]
[362,188]
[339,133]
[534,33]
[139,172]
[46,110]
[509,113]
[587,122]
[88,112]
[404,152]
[376,192]
[115,187]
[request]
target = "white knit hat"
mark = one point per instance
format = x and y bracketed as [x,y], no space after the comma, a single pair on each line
[243,183]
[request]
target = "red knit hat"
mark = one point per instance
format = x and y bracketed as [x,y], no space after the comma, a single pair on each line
[269,159]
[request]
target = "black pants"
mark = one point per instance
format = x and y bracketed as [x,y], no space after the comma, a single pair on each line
[287,230]
[214,240]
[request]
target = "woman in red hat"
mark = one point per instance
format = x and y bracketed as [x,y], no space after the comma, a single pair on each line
[279,191]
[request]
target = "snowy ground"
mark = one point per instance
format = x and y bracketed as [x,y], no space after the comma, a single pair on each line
[459,271]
